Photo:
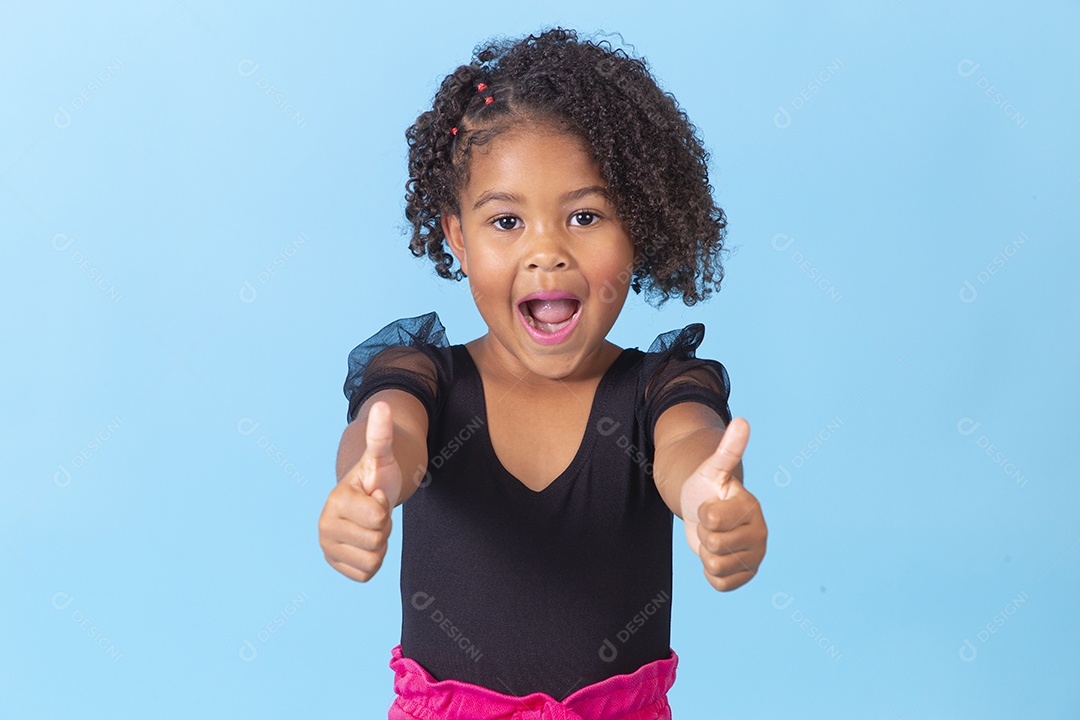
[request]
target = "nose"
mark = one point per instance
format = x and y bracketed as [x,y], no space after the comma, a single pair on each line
[545,251]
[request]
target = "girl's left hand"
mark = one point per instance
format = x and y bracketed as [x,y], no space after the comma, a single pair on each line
[724,524]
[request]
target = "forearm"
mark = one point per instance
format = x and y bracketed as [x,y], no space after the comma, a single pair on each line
[409,443]
[686,434]
[678,460]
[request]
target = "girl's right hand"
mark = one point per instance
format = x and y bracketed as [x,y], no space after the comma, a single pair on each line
[354,527]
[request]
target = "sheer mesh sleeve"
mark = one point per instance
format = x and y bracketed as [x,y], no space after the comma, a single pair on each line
[674,375]
[402,355]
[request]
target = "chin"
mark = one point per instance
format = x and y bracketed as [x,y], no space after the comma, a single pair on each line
[555,362]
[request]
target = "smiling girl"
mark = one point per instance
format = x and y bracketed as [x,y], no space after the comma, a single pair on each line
[539,466]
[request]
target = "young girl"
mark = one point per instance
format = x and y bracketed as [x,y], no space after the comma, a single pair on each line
[539,466]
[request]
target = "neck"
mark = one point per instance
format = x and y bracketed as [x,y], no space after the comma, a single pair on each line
[498,365]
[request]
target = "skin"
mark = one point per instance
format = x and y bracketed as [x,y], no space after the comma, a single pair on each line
[541,241]
[520,232]
[544,238]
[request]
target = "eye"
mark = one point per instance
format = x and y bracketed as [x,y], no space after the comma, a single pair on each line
[588,215]
[498,222]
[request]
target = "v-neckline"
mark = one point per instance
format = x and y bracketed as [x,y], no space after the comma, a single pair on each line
[584,447]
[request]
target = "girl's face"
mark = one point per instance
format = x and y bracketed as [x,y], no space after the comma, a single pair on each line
[536,221]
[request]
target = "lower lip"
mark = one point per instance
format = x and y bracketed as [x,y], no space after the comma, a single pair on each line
[551,338]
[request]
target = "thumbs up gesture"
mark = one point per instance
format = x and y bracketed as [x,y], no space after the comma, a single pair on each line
[354,528]
[724,524]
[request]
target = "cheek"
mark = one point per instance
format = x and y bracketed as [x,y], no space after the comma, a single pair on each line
[488,278]
[617,268]
[490,268]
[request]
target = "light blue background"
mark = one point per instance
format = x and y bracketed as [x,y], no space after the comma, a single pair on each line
[160,559]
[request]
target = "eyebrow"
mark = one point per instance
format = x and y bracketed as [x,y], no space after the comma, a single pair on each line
[492,195]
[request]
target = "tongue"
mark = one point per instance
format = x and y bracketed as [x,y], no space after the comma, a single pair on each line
[553,311]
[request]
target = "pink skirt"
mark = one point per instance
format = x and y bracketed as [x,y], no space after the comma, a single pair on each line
[640,695]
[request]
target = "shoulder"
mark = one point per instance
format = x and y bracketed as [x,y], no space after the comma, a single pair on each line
[402,338]
[674,353]
[671,373]
[409,353]
[417,332]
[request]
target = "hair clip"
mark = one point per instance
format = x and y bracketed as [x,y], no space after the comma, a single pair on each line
[453,131]
[480,87]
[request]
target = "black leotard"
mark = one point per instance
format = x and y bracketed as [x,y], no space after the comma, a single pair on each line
[522,591]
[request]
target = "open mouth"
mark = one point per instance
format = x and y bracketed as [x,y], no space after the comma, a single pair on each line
[550,319]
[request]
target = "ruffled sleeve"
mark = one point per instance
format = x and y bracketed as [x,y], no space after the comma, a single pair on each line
[674,375]
[403,355]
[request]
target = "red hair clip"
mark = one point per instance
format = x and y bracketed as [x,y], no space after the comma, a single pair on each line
[488,100]
[453,131]
[480,87]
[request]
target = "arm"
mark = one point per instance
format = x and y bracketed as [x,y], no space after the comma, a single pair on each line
[686,434]
[410,423]
[698,472]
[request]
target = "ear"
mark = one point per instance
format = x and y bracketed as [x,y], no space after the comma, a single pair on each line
[451,227]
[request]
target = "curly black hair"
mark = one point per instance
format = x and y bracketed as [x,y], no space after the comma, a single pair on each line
[645,146]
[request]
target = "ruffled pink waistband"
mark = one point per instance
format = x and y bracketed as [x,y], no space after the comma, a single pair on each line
[640,695]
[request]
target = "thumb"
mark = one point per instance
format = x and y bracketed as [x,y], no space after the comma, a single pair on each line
[696,491]
[379,440]
[713,478]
